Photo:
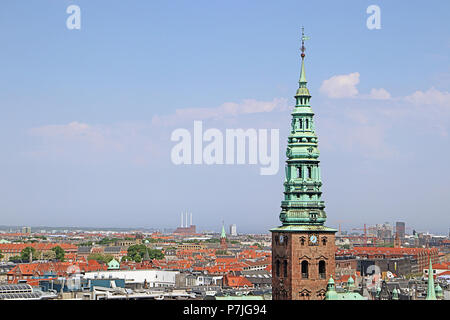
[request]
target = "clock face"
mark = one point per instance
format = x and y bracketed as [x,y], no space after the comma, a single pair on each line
[313,239]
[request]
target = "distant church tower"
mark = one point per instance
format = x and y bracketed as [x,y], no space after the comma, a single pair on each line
[223,238]
[303,248]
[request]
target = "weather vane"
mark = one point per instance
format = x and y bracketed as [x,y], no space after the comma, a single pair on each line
[304,38]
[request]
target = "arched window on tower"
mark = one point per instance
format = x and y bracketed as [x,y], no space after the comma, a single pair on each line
[307,124]
[301,123]
[300,175]
[309,172]
[285,268]
[322,270]
[305,266]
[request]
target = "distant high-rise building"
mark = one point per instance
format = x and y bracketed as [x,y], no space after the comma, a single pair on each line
[233,230]
[400,229]
[384,231]
[26,230]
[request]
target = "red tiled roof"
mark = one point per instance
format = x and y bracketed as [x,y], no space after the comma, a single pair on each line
[440,266]
[60,268]
[237,281]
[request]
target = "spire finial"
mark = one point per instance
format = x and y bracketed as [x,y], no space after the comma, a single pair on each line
[304,38]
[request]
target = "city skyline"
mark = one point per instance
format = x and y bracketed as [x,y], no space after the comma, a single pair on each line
[88,113]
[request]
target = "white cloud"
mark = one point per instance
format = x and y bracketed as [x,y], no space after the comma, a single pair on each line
[430,97]
[379,94]
[139,142]
[72,129]
[341,86]
[344,86]
[227,109]
[75,132]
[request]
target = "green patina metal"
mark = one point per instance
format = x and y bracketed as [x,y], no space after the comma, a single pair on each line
[431,293]
[331,293]
[395,295]
[223,233]
[302,208]
[113,265]
[303,228]
[439,292]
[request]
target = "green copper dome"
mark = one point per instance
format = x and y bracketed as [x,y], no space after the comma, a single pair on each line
[350,281]
[331,293]
[395,294]
[302,92]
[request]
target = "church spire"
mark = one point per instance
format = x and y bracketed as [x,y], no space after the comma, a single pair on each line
[431,294]
[223,233]
[302,204]
[223,238]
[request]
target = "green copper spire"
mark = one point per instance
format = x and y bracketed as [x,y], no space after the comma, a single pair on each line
[302,73]
[395,294]
[431,294]
[378,292]
[302,206]
[223,234]
[350,284]
[439,293]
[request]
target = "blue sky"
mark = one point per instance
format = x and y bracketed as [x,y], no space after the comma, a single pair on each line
[83,143]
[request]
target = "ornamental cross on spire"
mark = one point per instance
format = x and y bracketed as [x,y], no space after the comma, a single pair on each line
[304,38]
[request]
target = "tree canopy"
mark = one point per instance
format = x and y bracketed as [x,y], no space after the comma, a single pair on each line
[100,257]
[27,253]
[137,253]
[59,253]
